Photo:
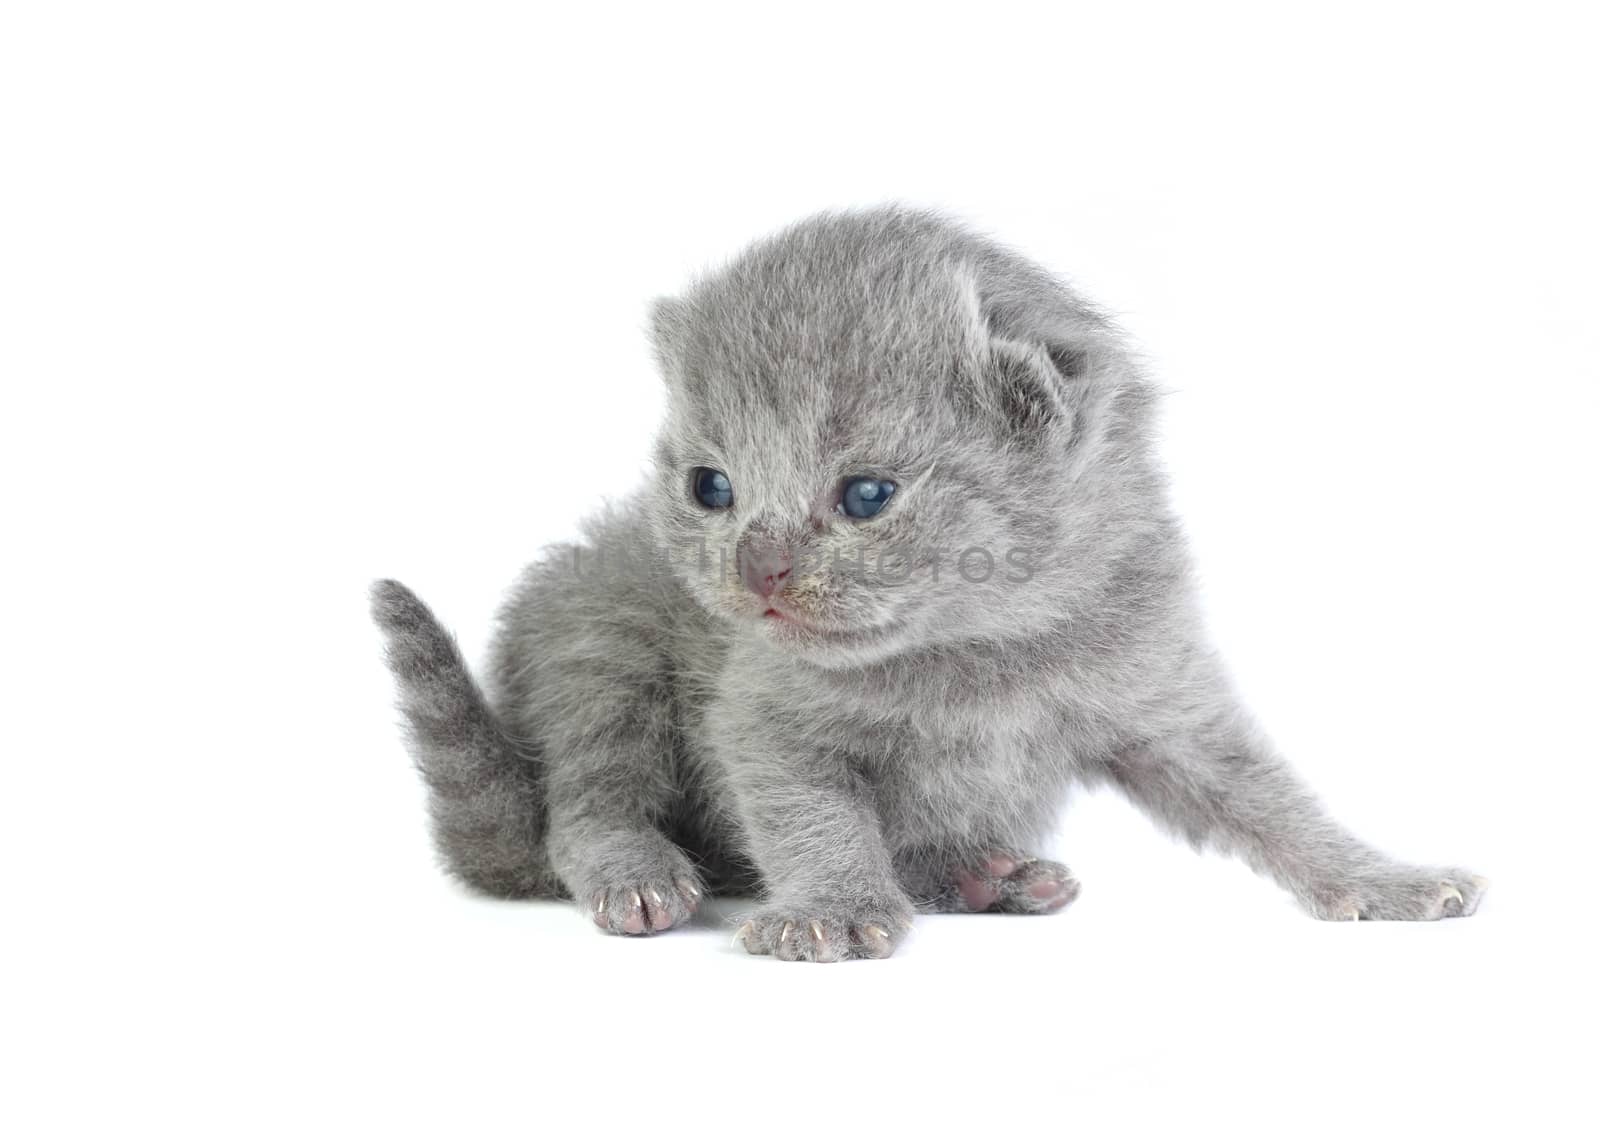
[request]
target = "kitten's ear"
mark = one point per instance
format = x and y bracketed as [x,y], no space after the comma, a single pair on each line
[1025,390]
[669,328]
[1036,362]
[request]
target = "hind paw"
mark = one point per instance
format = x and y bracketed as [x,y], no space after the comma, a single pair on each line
[1019,885]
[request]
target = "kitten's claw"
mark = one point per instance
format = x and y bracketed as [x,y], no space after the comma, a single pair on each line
[875,941]
[633,916]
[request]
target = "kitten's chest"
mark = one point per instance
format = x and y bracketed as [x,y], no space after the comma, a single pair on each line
[965,774]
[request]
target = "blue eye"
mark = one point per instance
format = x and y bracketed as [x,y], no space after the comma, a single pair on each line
[712,489]
[863,498]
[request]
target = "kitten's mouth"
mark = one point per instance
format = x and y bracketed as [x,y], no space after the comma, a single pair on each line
[783,617]
[780,622]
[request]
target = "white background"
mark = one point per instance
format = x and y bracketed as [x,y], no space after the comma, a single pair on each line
[293,296]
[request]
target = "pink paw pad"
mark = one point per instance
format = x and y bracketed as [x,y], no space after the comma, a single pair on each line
[1000,865]
[1044,886]
[1003,882]
[978,895]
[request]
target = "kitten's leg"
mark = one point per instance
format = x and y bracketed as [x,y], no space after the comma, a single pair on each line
[1218,782]
[813,832]
[610,786]
[578,659]
[992,878]
[605,843]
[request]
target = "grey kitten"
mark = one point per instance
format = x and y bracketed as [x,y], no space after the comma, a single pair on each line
[905,572]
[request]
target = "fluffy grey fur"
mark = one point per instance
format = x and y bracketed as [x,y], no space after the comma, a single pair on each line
[880,732]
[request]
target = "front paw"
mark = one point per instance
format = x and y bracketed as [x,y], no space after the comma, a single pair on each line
[643,906]
[1402,893]
[638,884]
[823,931]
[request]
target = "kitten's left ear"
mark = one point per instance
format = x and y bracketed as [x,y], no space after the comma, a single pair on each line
[1032,383]
[1038,358]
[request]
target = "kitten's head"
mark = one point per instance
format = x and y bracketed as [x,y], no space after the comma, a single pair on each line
[886,432]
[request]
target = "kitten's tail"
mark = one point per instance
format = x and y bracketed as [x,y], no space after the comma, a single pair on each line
[486,795]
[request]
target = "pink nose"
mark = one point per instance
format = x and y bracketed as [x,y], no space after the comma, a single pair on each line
[765,574]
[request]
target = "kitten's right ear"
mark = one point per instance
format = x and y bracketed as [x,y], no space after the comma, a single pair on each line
[669,329]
